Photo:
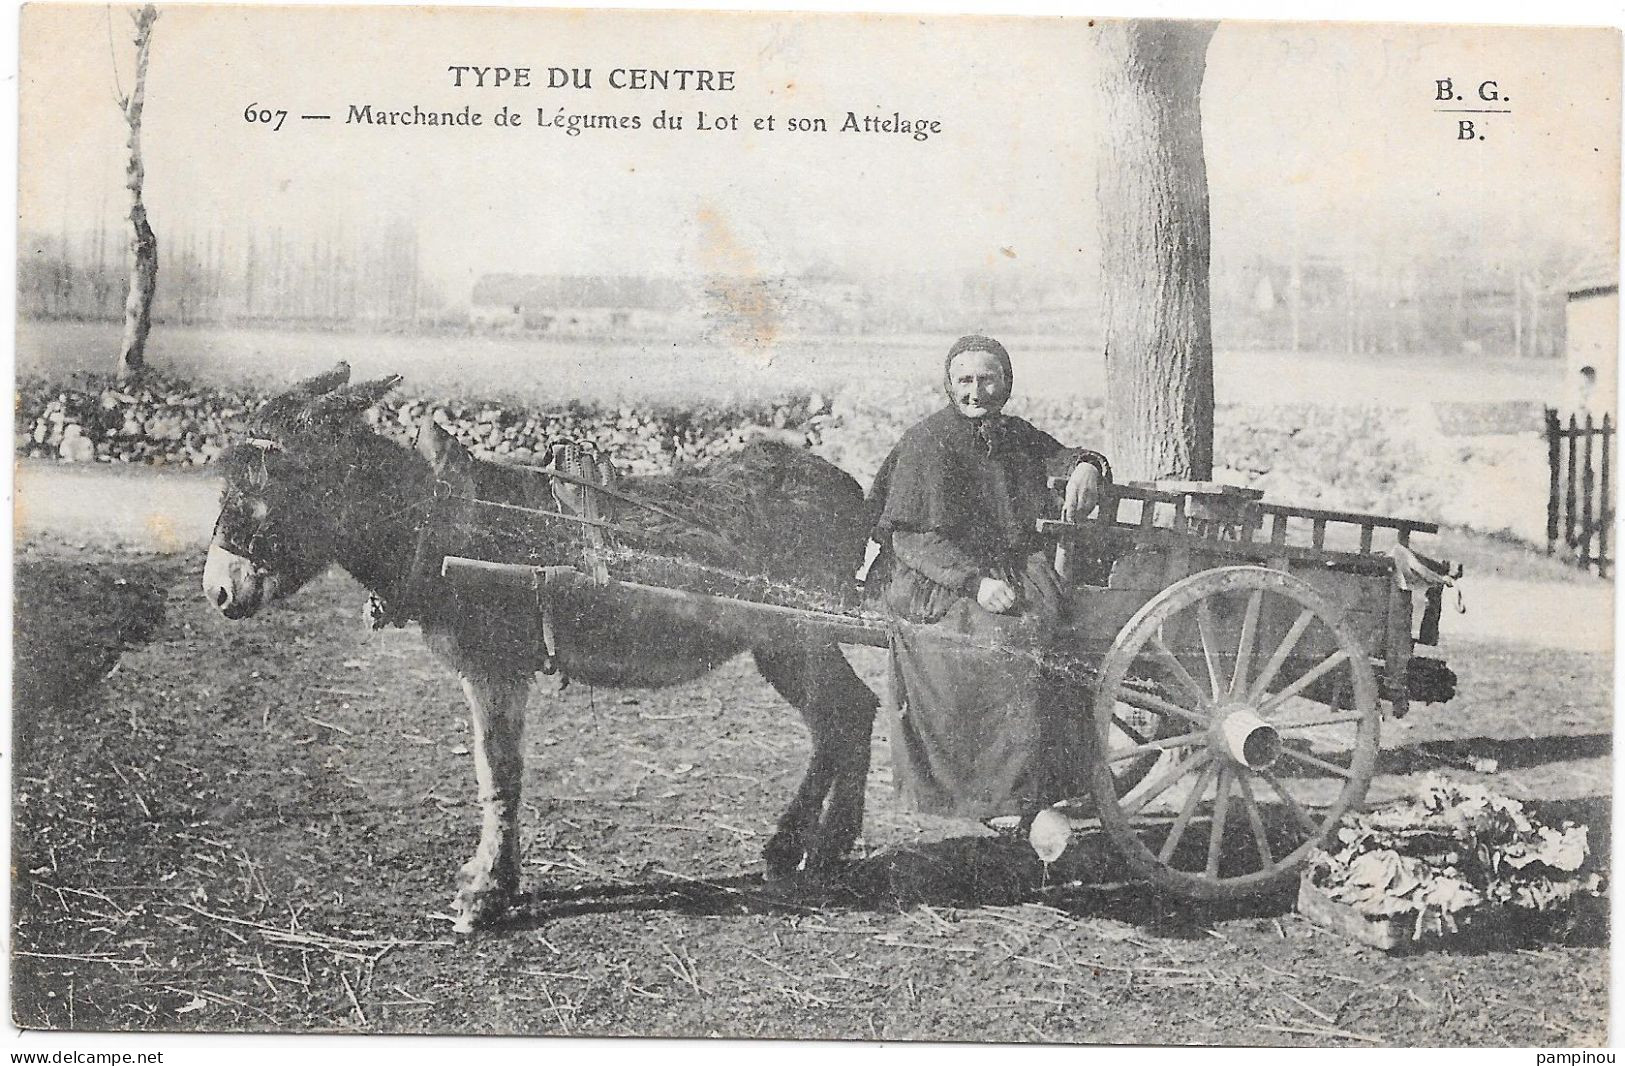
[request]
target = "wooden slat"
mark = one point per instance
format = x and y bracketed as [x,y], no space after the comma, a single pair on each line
[1588,513]
[1144,493]
[1225,551]
[1128,492]
[1366,531]
[1554,460]
[1605,509]
[1397,660]
[1318,536]
[1568,492]
[1351,517]
[1111,508]
[1278,528]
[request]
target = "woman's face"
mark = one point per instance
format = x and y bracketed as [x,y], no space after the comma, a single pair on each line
[977,385]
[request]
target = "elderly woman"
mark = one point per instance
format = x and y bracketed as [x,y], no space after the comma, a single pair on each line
[979,729]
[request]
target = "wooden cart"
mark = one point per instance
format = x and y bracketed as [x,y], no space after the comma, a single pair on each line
[1237,654]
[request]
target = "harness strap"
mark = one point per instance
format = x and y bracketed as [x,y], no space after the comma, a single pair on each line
[583,493]
[400,604]
[616,493]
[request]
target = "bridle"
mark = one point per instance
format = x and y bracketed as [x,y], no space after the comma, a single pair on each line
[249,550]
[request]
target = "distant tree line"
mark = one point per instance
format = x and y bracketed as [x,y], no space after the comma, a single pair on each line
[369,280]
[1332,305]
[1427,300]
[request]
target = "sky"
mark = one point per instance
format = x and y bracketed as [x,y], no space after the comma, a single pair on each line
[1326,135]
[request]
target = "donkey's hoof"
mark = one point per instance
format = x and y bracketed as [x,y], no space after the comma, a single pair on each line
[482,897]
[781,875]
[473,910]
[824,866]
[783,861]
[778,868]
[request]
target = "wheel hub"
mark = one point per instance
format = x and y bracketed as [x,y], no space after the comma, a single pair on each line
[1241,736]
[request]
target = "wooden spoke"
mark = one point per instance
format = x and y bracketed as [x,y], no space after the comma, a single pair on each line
[1133,734]
[1184,740]
[1150,789]
[1177,668]
[1336,719]
[1319,764]
[1186,812]
[1145,701]
[1210,646]
[1321,669]
[1244,649]
[1309,824]
[1149,683]
[1256,820]
[1262,683]
[1221,809]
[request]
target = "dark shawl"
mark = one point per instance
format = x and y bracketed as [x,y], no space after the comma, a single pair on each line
[976,487]
[981,486]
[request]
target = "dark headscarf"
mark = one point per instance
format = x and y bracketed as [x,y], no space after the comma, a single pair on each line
[975,342]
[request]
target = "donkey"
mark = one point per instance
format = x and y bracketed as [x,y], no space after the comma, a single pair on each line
[311,484]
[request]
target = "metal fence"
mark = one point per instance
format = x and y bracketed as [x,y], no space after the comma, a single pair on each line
[1579,501]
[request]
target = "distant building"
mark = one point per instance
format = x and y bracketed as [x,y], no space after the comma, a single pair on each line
[572,305]
[1592,319]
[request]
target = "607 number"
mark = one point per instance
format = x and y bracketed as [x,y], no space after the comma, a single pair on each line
[256,113]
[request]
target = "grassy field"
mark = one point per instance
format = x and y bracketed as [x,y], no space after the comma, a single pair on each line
[545,371]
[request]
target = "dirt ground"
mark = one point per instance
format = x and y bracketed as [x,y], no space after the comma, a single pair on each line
[255,825]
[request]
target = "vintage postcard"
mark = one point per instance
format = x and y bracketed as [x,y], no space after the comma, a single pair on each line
[813,526]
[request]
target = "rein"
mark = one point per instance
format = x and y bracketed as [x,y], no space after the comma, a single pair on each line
[598,523]
[396,607]
[398,604]
[613,493]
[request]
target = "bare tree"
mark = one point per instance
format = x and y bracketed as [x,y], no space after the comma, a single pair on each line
[132,357]
[1155,248]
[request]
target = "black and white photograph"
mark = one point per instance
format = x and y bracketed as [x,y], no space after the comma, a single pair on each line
[886,528]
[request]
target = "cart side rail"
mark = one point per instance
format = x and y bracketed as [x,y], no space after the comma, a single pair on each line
[1230,512]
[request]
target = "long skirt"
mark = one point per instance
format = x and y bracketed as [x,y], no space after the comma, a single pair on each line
[981,724]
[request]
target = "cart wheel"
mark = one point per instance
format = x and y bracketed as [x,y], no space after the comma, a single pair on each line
[1264,700]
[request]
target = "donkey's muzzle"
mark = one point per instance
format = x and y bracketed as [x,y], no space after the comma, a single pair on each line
[232,583]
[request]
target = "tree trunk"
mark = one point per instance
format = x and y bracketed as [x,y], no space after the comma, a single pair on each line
[1155,247]
[132,357]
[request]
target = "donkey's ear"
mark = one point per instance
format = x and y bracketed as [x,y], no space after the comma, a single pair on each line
[324,382]
[350,400]
[364,394]
[291,403]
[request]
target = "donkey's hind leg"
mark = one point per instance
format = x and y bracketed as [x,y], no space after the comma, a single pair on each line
[839,710]
[488,882]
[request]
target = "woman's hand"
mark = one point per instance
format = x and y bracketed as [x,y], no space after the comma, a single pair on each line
[1082,492]
[995,596]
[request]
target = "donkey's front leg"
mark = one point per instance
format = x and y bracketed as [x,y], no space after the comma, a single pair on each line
[488,882]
